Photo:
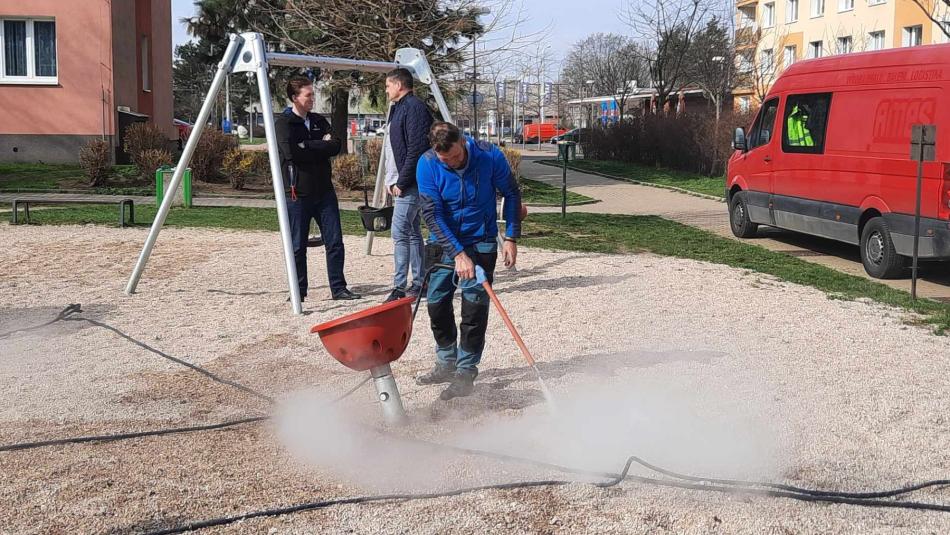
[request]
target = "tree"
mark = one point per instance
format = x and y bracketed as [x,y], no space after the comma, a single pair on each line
[668,28]
[614,62]
[712,63]
[368,30]
[938,11]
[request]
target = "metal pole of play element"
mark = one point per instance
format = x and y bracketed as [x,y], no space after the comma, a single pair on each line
[388,394]
[379,191]
[923,142]
[270,133]
[201,123]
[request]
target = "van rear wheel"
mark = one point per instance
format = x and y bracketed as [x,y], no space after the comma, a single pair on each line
[878,254]
[742,227]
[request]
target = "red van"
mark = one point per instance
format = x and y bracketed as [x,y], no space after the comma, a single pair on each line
[829,155]
[545,130]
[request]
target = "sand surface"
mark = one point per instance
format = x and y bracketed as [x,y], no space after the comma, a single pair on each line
[697,367]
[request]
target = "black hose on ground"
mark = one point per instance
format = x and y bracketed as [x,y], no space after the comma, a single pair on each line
[125,436]
[70,309]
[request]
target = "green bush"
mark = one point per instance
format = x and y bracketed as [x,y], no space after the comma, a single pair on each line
[209,155]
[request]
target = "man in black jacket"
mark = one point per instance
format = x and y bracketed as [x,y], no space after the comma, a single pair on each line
[306,146]
[409,122]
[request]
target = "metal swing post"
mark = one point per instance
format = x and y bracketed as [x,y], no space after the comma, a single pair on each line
[224,68]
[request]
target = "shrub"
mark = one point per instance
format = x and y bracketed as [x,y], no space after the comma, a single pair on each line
[141,138]
[347,172]
[514,160]
[209,155]
[240,165]
[152,159]
[373,148]
[94,158]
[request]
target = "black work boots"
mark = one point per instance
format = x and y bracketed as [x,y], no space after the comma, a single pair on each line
[461,382]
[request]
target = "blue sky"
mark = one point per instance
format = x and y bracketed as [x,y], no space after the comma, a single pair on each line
[570,20]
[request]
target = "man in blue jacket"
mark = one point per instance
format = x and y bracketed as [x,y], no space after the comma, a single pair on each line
[458,180]
[409,122]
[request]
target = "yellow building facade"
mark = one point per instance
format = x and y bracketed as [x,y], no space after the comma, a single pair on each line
[772,34]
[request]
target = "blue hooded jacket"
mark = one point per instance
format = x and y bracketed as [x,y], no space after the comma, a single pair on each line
[461,211]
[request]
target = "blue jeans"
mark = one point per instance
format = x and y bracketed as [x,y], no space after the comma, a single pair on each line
[407,239]
[463,352]
[326,211]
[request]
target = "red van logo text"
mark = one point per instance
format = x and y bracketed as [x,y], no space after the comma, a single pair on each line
[893,117]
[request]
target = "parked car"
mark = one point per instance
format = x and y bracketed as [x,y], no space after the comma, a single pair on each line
[829,155]
[575,135]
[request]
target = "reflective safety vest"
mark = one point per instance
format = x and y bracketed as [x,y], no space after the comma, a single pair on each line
[798,134]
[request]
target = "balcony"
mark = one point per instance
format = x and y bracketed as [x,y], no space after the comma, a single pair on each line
[747,36]
[746,3]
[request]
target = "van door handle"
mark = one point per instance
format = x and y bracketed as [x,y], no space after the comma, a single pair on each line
[768,158]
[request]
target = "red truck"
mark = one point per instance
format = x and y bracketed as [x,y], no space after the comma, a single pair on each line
[829,154]
[545,130]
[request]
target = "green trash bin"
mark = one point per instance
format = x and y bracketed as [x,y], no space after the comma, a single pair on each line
[163,177]
[566,149]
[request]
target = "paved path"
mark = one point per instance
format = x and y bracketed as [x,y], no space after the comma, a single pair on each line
[619,197]
[249,202]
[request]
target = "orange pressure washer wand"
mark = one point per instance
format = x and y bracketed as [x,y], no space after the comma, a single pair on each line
[480,278]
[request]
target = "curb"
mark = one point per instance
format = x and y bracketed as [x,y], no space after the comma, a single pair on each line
[634,181]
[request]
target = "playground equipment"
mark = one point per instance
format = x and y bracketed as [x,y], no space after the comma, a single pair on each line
[247,53]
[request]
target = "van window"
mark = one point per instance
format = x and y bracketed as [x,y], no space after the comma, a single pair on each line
[764,125]
[805,123]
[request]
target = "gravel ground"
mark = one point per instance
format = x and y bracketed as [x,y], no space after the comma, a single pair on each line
[697,367]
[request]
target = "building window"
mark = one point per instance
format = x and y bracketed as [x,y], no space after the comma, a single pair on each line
[845,5]
[790,55]
[791,11]
[766,61]
[768,16]
[876,40]
[745,104]
[806,119]
[146,81]
[845,45]
[913,35]
[876,2]
[28,51]
[817,8]
[815,49]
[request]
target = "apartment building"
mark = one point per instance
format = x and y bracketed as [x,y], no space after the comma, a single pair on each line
[772,34]
[76,70]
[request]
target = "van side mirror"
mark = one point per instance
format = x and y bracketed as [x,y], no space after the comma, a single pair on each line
[738,140]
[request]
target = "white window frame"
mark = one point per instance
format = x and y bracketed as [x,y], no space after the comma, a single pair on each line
[31,78]
[745,104]
[769,9]
[785,55]
[791,11]
[845,5]
[910,32]
[812,49]
[872,37]
[815,13]
[844,39]
[770,68]
[876,2]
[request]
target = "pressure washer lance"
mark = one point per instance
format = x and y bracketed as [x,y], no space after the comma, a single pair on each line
[480,278]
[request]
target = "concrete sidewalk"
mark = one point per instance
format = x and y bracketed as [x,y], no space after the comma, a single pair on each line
[619,197]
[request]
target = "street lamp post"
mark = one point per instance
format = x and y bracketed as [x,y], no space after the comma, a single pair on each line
[477,12]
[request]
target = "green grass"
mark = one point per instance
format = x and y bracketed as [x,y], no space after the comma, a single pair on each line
[257,141]
[539,193]
[651,175]
[36,176]
[55,178]
[599,233]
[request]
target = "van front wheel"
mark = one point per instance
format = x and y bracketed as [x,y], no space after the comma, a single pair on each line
[742,227]
[878,254]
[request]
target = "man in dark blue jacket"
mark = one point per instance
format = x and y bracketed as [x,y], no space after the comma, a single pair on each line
[306,146]
[458,180]
[409,122]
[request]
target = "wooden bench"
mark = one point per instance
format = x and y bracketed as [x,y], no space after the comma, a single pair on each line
[27,201]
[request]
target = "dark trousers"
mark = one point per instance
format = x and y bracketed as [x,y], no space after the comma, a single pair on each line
[326,211]
[465,351]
